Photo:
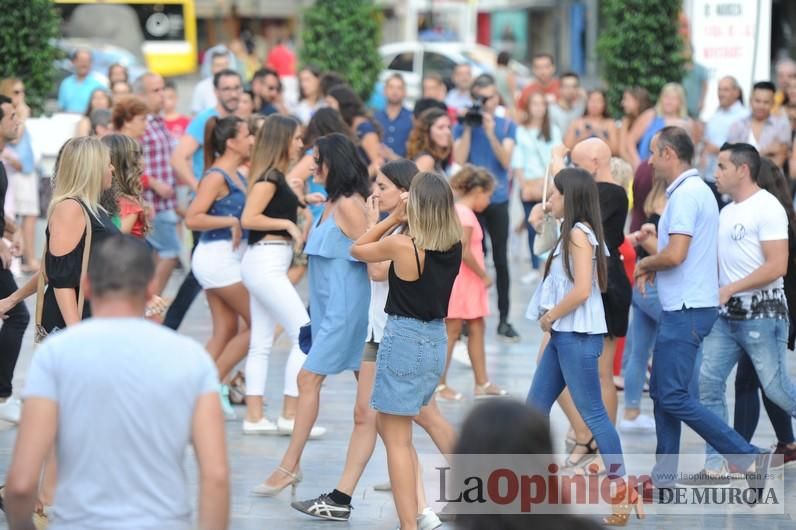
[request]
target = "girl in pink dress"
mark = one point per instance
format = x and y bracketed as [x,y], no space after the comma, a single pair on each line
[469,300]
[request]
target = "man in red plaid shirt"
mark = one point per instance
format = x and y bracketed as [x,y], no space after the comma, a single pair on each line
[157,147]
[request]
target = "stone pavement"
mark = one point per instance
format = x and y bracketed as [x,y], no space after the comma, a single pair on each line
[510,365]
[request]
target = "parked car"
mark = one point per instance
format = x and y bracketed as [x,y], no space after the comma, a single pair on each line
[415,59]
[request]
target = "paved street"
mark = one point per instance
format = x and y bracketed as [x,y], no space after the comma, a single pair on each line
[510,366]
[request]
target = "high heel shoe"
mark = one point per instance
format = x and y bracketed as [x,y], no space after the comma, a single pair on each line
[266,490]
[625,502]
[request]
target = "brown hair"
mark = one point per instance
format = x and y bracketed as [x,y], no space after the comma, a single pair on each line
[7,86]
[272,146]
[544,130]
[126,109]
[641,95]
[470,177]
[420,138]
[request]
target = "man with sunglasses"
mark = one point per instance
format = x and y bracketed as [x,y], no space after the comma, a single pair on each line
[753,317]
[488,141]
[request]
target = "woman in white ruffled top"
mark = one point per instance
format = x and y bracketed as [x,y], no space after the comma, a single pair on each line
[569,306]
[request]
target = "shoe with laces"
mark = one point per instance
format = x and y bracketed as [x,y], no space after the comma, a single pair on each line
[263,426]
[507,332]
[324,507]
[642,423]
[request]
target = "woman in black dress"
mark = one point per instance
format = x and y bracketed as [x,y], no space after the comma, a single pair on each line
[83,171]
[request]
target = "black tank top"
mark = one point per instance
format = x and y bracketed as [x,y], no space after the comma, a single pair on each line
[283,205]
[427,297]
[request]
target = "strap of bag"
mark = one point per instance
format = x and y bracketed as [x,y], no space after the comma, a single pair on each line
[42,279]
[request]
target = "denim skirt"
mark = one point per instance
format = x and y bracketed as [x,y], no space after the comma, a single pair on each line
[409,365]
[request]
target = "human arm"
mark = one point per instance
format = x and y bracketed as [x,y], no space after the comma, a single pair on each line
[624,132]
[372,246]
[775,254]
[127,222]
[67,225]
[209,443]
[372,147]
[181,161]
[35,437]
[581,253]
[253,217]
[197,218]
[469,259]
[502,149]
[425,163]
[461,146]
[636,133]
[83,127]
[160,188]
[669,257]
[569,137]
[302,170]
[18,296]
[613,136]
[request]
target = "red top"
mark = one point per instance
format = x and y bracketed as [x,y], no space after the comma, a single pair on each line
[282,59]
[127,207]
[553,88]
[176,126]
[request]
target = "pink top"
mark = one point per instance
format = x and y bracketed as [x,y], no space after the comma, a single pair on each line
[469,299]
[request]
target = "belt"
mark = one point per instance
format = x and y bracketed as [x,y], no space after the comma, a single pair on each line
[268,242]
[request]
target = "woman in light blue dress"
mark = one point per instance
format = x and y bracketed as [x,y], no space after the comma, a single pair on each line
[339,293]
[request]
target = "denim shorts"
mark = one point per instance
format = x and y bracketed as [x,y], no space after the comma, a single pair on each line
[409,365]
[162,235]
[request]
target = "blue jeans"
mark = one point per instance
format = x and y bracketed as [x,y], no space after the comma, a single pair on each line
[643,327]
[680,334]
[747,406]
[765,341]
[570,360]
[528,206]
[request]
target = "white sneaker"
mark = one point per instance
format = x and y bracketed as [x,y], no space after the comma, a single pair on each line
[460,354]
[10,410]
[428,520]
[642,423]
[285,427]
[264,426]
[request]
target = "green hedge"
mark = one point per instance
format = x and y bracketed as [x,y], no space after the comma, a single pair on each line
[639,45]
[344,36]
[27,29]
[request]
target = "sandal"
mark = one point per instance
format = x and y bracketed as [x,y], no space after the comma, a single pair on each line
[452,394]
[585,458]
[488,390]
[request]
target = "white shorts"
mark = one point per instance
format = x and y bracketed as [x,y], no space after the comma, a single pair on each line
[216,265]
[26,193]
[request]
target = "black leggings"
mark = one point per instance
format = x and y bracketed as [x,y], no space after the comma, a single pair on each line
[495,221]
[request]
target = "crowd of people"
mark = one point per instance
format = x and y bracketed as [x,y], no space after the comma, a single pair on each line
[670,232]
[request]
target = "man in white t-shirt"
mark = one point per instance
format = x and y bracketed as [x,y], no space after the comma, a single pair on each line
[120,398]
[753,319]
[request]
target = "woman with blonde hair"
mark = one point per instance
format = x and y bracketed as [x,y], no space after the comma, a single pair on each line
[411,355]
[430,141]
[671,109]
[216,262]
[271,216]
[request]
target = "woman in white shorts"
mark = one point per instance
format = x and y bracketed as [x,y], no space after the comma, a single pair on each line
[215,212]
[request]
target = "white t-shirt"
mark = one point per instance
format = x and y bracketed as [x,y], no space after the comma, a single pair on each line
[742,228]
[126,390]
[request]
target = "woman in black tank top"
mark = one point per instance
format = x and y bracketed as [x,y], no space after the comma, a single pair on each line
[412,352]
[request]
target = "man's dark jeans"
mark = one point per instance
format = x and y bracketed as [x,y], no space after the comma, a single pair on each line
[187,293]
[11,332]
[495,221]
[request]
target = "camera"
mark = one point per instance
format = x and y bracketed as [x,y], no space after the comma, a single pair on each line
[474,117]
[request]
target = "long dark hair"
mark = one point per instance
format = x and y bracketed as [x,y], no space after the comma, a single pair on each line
[217,132]
[351,106]
[581,205]
[420,137]
[771,178]
[605,113]
[324,121]
[400,172]
[347,173]
[545,131]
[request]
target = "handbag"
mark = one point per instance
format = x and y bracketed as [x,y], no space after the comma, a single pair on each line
[41,333]
[305,336]
[547,236]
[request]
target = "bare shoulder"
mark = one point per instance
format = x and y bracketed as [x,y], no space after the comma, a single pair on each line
[578,236]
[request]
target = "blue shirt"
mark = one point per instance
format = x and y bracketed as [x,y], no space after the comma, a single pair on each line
[24,151]
[481,154]
[690,210]
[716,132]
[396,132]
[196,130]
[74,95]
[363,129]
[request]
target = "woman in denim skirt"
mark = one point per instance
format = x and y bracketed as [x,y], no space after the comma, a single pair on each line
[411,355]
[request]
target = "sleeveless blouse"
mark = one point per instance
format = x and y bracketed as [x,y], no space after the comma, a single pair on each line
[586,318]
[229,206]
